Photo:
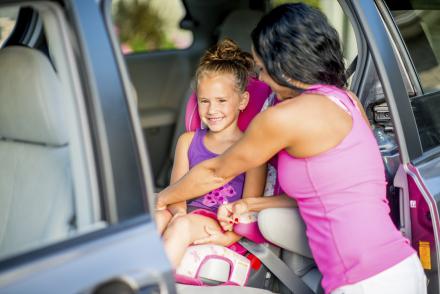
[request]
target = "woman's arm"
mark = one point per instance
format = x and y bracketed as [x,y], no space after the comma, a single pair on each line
[265,136]
[255,181]
[258,204]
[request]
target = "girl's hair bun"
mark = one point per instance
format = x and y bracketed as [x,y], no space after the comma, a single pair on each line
[227,57]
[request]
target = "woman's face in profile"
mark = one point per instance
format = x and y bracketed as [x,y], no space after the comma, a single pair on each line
[281,92]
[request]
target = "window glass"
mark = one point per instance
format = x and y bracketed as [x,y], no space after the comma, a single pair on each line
[420,30]
[149,25]
[339,21]
[8,17]
[47,185]
[419,26]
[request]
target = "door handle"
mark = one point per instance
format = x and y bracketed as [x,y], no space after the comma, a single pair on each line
[401,182]
[141,281]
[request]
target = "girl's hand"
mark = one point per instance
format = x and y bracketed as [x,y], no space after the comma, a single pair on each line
[214,237]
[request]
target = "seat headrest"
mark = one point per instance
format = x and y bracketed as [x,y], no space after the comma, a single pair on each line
[30,98]
[238,26]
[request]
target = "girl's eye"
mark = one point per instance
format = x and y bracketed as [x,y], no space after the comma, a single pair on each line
[222,100]
[203,101]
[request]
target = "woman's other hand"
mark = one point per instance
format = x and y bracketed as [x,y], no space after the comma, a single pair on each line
[229,214]
[225,216]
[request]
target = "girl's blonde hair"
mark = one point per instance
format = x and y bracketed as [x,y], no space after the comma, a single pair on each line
[227,57]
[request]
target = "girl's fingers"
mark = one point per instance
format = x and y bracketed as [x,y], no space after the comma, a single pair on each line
[211,232]
[212,235]
[203,241]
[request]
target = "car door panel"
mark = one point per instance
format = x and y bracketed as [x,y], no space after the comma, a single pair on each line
[424,197]
[122,246]
[419,215]
[78,268]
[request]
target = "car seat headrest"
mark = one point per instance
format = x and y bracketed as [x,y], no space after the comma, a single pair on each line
[238,26]
[30,98]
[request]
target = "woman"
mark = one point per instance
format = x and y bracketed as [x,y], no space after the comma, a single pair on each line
[328,159]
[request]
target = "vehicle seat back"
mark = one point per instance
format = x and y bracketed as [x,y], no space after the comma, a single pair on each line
[36,203]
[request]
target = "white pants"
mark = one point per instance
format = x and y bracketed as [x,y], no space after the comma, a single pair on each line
[406,277]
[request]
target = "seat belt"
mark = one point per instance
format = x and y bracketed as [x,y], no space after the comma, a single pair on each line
[292,281]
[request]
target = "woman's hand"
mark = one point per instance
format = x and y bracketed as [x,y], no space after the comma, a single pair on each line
[225,216]
[177,210]
[229,214]
[159,203]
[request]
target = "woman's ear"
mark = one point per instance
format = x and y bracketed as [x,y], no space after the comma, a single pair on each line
[244,100]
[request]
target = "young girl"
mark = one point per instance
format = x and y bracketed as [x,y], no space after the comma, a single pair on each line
[221,80]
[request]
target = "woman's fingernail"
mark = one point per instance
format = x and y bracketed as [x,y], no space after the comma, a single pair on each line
[236,219]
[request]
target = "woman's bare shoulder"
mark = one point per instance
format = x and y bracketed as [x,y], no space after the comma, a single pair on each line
[294,112]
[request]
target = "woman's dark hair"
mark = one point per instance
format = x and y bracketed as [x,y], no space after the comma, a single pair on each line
[227,57]
[296,41]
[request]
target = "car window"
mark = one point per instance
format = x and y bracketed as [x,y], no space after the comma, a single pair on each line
[420,30]
[8,17]
[48,185]
[144,26]
[419,25]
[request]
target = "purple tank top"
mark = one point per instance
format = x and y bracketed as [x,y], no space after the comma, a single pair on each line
[230,192]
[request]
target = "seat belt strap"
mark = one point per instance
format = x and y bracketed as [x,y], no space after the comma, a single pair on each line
[292,281]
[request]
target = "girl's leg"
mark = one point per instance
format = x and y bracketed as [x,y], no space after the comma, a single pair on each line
[163,217]
[182,232]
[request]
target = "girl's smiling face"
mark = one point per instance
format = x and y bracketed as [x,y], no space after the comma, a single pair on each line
[219,100]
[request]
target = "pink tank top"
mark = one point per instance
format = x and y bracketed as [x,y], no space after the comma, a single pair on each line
[342,198]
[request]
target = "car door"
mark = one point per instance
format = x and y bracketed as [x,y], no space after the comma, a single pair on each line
[403,40]
[108,241]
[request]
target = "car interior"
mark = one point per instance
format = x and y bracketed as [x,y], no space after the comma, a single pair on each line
[44,195]
[40,161]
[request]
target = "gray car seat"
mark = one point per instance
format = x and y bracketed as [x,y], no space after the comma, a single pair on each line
[36,204]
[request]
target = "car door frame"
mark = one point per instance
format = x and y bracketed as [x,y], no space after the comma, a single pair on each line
[128,251]
[412,175]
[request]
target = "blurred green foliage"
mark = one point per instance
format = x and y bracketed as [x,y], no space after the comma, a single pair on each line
[313,3]
[139,26]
